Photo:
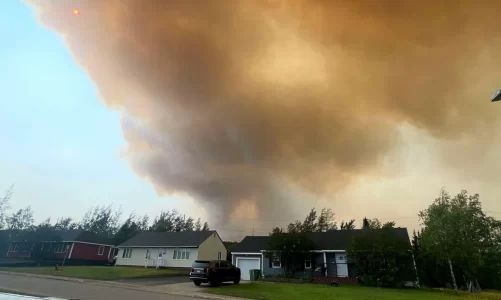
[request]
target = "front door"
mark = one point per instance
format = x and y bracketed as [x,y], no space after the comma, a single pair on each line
[341,265]
[160,258]
[331,264]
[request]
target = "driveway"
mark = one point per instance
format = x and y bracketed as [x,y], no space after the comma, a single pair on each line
[155,281]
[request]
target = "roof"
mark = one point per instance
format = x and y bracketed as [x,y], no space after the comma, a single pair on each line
[168,239]
[64,235]
[330,240]
[251,244]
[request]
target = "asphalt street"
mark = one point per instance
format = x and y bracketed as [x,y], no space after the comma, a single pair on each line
[78,290]
[155,281]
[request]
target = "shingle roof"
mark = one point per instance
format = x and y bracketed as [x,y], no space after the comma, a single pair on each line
[89,237]
[168,239]
[251,244]
[330,240]
[64,235]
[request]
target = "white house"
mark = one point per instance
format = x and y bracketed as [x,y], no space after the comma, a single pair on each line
[170,249]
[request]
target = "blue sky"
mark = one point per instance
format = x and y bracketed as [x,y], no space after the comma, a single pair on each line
[58,144]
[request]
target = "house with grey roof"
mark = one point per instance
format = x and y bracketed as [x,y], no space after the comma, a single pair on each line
[170,249]
[328,259]
[72,246]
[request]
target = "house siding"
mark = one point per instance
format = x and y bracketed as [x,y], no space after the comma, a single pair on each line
[138,257]
[209,249]
[83,251]
[317,261]
[268,269]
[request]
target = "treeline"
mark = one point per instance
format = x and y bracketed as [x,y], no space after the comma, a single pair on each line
[458,246]
[106,221]
[315,222]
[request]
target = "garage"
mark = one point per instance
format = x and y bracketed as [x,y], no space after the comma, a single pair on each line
[246,263]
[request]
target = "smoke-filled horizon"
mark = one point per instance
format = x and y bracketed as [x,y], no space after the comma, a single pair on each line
[267,108]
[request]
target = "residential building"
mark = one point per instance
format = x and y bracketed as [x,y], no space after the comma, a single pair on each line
[73,246]
[170,249]
[328,259]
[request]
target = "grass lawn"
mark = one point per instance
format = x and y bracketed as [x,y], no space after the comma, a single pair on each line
[281,291]
[99,272]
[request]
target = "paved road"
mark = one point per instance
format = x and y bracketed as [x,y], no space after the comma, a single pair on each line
[77,290]
[156,281]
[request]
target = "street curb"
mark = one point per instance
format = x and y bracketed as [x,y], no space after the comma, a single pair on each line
[20,292]
[122,285]
[70,279]
[206,296]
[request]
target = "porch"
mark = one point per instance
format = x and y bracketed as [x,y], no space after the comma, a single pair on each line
[319,264]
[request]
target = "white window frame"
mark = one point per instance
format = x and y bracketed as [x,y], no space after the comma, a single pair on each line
[274,259]
[127,253]
[15,247]
[61,248]
[148,254]
[307,264]
[100,250]
[181,254]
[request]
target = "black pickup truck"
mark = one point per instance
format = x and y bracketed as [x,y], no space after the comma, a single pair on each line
[214,272]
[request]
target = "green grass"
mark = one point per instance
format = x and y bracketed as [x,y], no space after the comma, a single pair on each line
[99,272]
[281,291]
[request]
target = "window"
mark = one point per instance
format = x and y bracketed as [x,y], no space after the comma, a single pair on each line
[307,264]
[23,247]
[127,253]
[60,248]
[276,262]
[341,258]
[180,254]
[15,246]
[148,254]
[100,251]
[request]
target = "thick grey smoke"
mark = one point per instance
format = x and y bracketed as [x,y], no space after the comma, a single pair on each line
[243,100]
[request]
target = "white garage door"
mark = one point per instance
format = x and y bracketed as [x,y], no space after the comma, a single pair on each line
[246,264]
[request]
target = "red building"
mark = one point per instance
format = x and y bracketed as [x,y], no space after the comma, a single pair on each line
[73,246]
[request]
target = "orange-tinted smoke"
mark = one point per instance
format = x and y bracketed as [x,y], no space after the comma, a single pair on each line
[231,99]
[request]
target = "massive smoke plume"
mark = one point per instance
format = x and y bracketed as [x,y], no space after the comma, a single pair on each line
[240,100]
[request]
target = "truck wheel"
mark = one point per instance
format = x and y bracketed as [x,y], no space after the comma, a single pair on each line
[237,281]
[197,282]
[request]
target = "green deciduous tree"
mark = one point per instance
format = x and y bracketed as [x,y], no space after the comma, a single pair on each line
[205,227]
[457,231]
[101,220]
[5,205]
[348,225]
[381,258]
[65,224]
[132,226]
[20,220]
[289,248]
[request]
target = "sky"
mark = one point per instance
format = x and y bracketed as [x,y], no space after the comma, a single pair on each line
[60,146]
[249,113]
